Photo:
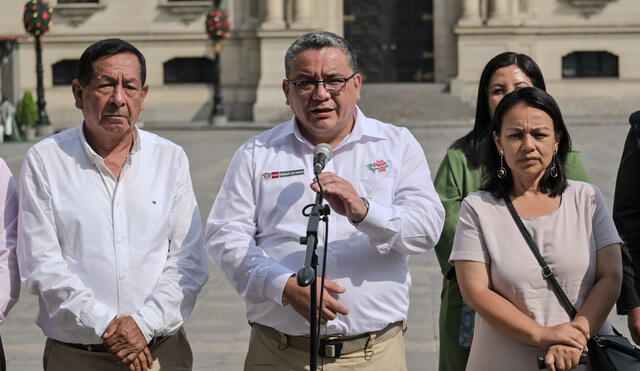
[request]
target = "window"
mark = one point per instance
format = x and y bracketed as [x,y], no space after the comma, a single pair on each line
[187,10]
[65,71]
[590,64]
[188,70]
[75,12]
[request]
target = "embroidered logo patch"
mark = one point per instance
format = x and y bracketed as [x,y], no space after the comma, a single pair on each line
[282,174]
[379,166]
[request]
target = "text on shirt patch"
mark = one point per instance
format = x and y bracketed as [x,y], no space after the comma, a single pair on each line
[379,166]
[282,174]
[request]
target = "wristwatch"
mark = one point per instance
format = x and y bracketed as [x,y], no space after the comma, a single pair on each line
[366,203]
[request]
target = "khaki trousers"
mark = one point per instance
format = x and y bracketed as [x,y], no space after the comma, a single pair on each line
[173,354]
[267,354]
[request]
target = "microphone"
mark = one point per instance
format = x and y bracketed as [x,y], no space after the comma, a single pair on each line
[321,155]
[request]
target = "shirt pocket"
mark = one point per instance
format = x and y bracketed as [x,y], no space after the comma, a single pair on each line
[379,190]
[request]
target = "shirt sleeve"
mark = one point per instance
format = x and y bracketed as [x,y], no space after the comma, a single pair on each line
[412,223]
[185,272]
[42,267]
[449,190]
[468,243]
[230,235]
[9,274]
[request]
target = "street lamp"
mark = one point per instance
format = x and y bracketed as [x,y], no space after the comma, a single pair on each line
[37,16]
[218,27]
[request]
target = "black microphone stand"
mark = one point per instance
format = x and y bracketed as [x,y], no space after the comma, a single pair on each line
[307,274]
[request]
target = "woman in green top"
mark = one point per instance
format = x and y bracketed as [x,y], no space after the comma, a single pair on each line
[458,175]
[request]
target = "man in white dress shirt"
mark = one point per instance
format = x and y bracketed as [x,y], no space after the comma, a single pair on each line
[109,233]
[384,207]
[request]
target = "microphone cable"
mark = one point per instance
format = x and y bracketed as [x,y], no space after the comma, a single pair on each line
[324,268]
[325,219]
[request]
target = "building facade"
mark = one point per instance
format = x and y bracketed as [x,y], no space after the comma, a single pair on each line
[586,48]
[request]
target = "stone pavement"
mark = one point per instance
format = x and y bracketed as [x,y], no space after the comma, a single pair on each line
[218,330]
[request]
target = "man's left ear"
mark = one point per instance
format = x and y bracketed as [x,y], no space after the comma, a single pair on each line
[145,90]
[357,80]
[285,90]
[76,89]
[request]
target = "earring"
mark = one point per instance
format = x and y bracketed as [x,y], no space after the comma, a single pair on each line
[553,171]
[502,172]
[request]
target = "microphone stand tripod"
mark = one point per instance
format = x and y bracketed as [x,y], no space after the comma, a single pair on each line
[307,274]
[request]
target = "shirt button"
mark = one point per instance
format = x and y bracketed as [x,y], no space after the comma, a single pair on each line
[118,204]
[119,240]
[123,276]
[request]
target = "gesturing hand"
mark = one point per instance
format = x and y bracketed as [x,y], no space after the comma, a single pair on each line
[299,298]
[341,195]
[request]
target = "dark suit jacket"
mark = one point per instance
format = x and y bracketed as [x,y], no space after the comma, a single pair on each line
[626,215]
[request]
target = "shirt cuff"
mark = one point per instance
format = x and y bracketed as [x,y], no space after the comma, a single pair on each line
[377,218]
[376,226]
[97,317]
[275,283]
[144,328]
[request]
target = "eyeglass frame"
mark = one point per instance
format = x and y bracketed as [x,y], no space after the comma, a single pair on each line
[316,83]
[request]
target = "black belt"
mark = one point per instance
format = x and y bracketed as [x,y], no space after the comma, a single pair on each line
[101,348]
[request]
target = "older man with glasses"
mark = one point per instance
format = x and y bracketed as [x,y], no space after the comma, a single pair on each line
[384,207]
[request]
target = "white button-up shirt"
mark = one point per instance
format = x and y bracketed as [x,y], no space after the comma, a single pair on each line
[93,247]
[9,276]
[254,227]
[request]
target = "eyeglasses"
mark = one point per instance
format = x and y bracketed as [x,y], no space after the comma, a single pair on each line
[333,86]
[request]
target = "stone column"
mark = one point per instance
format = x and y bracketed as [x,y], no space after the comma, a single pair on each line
[10,74]
[274,15]
[515,13]
[302,10]
[500,14]
[470,13]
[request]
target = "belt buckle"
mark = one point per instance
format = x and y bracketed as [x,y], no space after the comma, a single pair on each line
[330,348]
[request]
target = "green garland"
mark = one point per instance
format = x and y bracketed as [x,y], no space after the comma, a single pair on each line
[218,25]
[37,16]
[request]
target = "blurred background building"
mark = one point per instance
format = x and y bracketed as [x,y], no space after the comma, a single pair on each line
[587,49]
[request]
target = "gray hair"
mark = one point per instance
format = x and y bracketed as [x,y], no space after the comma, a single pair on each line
[319,40]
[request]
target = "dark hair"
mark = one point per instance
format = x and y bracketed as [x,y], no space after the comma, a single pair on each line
[471,143]
[319,40]
[490,161]
[103,48]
